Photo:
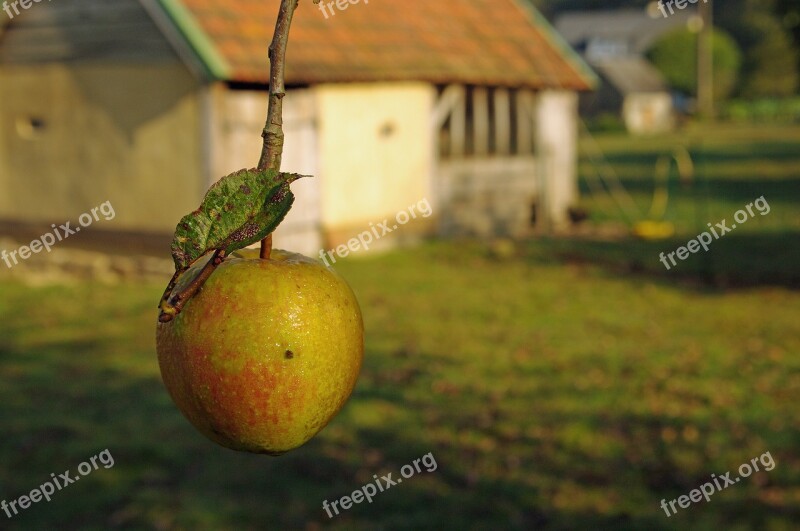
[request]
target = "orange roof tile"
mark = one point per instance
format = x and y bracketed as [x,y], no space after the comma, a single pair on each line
[490,42]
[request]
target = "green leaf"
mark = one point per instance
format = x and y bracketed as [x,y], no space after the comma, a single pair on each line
[238,210]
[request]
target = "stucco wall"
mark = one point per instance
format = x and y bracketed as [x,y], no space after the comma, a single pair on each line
[648,113]
[120,133]
[556,149]
[375,152]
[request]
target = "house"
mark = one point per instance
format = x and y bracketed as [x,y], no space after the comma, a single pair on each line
[614,43]
[471,106]
[637,90]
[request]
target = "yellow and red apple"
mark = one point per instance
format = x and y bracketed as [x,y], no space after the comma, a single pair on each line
[266,353]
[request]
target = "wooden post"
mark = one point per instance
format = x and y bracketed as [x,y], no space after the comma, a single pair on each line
[458,126]
[525,113]
[480,111]
[502,122]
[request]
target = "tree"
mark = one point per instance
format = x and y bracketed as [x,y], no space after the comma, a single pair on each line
[767,33]
[675,56]
[770,66]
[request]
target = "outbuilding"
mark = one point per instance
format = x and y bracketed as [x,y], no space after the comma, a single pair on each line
[468,107]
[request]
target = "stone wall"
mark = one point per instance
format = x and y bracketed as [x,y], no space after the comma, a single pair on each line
[67,265]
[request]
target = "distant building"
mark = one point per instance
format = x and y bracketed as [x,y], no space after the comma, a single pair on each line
[614,42]
[471,105]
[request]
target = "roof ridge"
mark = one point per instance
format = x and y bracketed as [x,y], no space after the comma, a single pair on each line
[200,42]
[581,67]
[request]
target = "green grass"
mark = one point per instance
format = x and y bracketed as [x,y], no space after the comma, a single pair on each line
[570,386]
[734,166]
[551,396]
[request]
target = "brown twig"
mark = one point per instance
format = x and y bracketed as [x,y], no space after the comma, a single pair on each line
[271,154]
[272,149]
[172,307]
[171,285]
[272,134]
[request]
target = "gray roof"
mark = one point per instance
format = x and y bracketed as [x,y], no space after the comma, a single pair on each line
[634,26]
[632,74]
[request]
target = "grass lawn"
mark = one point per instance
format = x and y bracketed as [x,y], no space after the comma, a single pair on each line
[555,397]
[733,166]
[570,386]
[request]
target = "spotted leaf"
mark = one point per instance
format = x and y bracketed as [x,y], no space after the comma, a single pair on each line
[238,210]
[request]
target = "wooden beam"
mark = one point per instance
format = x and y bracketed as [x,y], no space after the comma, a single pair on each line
[458,126]
[451,97]
[480,112]
[525,113]
[502,122]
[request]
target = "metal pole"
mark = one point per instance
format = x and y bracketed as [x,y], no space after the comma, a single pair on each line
[705,62]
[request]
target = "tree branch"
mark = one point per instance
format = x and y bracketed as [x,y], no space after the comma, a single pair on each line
[172,307]
[273,130]
[272,149]
[271,154]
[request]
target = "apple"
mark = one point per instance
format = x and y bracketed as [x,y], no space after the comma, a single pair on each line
[266,353]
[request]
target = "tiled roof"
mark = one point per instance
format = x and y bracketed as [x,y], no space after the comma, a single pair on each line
[492,42]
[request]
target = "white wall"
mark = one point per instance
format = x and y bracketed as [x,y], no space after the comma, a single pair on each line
[648,113]
[556,148]
[235,143]
[367,145]
[375,152]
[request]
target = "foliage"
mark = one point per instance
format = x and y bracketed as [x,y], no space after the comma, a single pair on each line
[766,31]
[238,210]
[785,110]
[675,55]
[770,67]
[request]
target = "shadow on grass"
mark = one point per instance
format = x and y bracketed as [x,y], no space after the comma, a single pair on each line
[735,192]
[771,150]
[734,261]
[167,476]
[530,403]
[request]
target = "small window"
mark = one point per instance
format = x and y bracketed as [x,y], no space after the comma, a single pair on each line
[31,127]
[386,130]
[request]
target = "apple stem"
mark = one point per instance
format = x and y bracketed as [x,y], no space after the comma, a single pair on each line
[266,247]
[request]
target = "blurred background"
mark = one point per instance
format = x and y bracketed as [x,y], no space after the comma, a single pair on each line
[525,332]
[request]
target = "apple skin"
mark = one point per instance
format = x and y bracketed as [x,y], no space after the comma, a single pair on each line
[266,354]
